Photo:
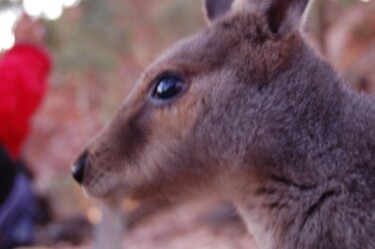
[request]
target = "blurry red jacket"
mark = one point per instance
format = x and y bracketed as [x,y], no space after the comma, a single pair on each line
[23,74]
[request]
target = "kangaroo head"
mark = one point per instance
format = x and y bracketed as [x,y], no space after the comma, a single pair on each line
[192,120]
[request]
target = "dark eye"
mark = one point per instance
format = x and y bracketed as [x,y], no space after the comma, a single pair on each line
[167,87]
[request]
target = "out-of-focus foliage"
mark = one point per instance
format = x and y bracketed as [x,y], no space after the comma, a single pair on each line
[9,3]
[100,34]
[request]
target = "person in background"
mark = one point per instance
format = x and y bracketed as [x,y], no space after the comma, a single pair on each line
[23,74]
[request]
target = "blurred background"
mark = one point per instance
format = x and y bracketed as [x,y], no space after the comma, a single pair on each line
[99,48]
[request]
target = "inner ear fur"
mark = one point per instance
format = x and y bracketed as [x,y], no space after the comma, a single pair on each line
[217,8]
[285,15]
[282,15]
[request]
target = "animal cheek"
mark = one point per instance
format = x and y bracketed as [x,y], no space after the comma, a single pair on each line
[177,120]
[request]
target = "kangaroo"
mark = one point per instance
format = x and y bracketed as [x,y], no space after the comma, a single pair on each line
[246,111]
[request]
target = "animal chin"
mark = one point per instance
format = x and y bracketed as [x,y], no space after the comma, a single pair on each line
[113,192]
[98,192]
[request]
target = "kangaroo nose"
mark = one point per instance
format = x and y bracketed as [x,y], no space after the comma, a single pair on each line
[78,169]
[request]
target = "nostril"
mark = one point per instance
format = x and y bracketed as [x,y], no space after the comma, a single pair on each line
[78,169]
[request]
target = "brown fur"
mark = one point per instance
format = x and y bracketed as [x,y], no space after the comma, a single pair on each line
[264,123]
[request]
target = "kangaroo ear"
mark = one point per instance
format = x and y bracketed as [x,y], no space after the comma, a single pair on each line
[217,8]
[285,15]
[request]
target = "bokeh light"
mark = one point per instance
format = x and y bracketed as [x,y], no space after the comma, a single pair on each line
[47,9]
[8,19]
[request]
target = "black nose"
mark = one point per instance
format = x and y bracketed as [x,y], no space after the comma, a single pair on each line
[78,169]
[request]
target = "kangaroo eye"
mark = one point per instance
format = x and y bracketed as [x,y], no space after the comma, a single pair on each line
[167,87]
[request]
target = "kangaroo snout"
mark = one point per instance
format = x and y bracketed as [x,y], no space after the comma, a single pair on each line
[78,169]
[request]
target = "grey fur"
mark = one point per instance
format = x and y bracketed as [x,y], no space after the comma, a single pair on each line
[265,123]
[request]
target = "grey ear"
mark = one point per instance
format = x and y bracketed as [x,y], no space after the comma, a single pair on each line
[217,8]
[285,15]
